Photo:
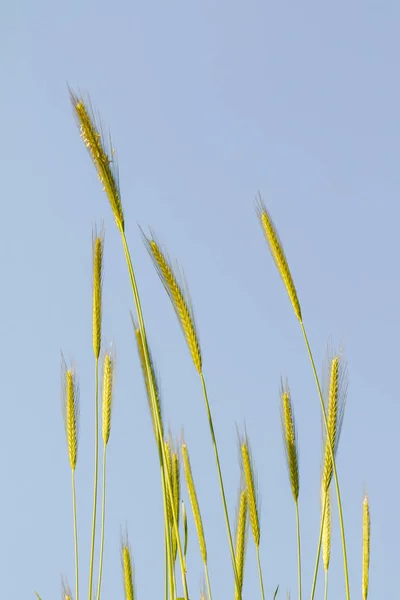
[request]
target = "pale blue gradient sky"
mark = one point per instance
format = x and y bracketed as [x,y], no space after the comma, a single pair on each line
[207,103]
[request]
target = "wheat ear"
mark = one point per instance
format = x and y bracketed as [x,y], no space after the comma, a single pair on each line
[241,535]
[327,527]
[366,547]
[70,407]
[98,251]
[250,479]
[104,161]
[127,569]
[290,439]
[176,489]
[194,502]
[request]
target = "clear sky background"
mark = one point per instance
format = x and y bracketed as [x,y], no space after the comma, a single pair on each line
[207,104]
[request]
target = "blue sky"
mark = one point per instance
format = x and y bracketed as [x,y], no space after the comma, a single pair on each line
[207,104]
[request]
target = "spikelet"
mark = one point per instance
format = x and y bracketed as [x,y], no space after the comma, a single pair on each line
[127,569]
[98,249]
[326,527]
[194,502]
[180,299]
[366,547]
[168,473]
[278,254]
[290,441]
[108,385]
[241,537]
[70,408]
[185,530]
[149,384]
[336,401]
[251,487]
[104,162]
[176,492]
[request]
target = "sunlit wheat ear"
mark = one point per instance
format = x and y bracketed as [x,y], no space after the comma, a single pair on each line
[98,250]
[194,502]
[108,387]
[149,384]
[335,404]
[176,491]
[278,255]
[326,527]
[289,438]
[180,298]
[127,569]
[104,158]
[70,409]
[185,529]
[251,487]
[168,469]
[241,535]
[366,547]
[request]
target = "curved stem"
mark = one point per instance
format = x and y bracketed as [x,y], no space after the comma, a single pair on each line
[260,572]
[221,484]
[103,519]
[330,445]
[154,408]
[75,535]
[96,473]
[298,548]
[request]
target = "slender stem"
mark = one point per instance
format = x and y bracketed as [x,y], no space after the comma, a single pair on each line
[330,445]
[321,528]
[96,473]
[75,536]
[154,407]
[260,572]
[326,586]
[207,581]
[221,483]
[103,519]
[167,550]
[298,548]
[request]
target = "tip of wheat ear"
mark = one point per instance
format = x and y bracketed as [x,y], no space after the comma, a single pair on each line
[180,299]
[366,547]
[105,162]
[278,255]
[127,570]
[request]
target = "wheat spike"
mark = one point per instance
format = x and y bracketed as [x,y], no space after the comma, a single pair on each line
[98,249]
[105,162]
[168,469]
[290,441]
[66,593]
[127,569]
[241,536]
[108,385]
[336,401]
[154,383]
[70,406]
[194,502]
[278,254]
[251,487]
[366,547]
[326,527]
[180,299]
[176,490]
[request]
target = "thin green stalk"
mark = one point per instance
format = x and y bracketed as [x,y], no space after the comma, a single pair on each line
[298,548]
[221,483]
[169,587]
[208,581]
[260,573]
[326,586]
[75,535]
[96,474]
[103,518]
[328,437]
[321,529]
[154,406]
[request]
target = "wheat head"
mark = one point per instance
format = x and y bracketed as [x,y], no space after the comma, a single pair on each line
[278,255]
[241,536]
[326,527]
[194,502]
[70,406]
[108,386]
[290,441]
[98,250]
[105,162]
[251,487]
[127,570]
[180,299]
[366,547]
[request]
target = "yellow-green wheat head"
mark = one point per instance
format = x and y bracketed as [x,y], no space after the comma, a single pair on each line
[180,298]
[250,479]
[241,535]
[194,502]
[290,439]
[104,161]
[98,251]
[366,547]
[278,254]
[70,409]
[326,527]
[108,387]
[127,569]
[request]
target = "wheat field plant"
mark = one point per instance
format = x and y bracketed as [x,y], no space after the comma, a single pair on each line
[182,515]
